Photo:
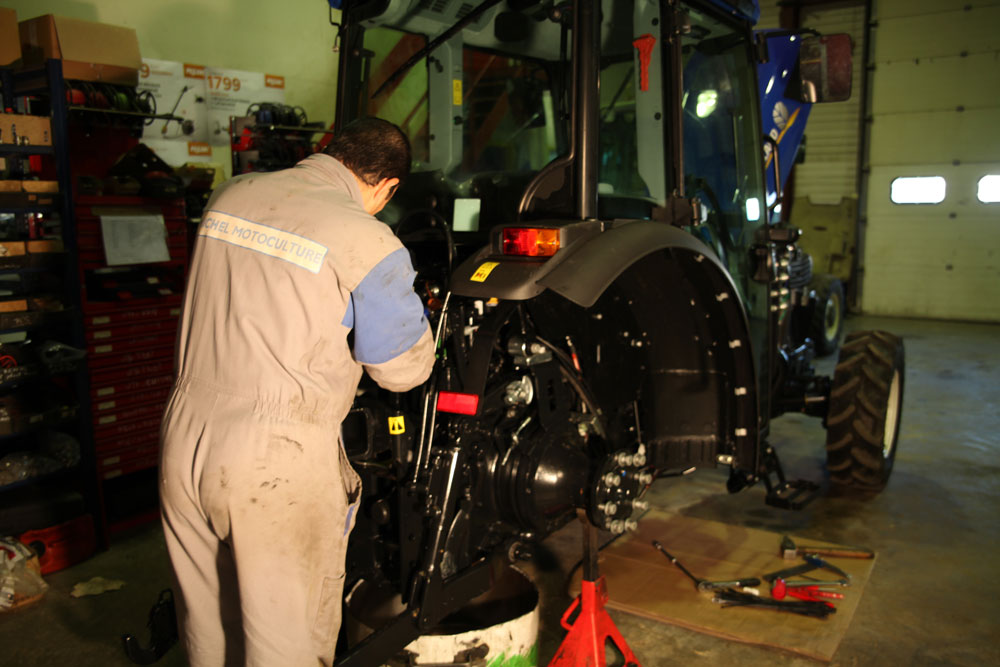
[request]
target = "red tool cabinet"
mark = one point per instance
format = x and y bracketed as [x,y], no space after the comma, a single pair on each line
[130,316]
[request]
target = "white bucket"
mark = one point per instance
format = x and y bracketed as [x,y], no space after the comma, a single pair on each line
[496,629]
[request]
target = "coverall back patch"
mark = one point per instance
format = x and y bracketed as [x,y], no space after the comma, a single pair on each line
[268,240]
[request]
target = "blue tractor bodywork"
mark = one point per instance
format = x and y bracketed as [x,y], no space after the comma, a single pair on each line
[783,116]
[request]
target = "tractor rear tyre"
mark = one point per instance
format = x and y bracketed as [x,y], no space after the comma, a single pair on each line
[827,321]
[865,409]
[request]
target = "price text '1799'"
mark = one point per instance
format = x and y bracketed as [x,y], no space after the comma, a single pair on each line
[223,82]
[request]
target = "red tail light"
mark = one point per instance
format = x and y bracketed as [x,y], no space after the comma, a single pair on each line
[530,241]
[461,404]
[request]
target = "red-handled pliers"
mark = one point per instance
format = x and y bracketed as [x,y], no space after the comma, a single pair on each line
[811,593]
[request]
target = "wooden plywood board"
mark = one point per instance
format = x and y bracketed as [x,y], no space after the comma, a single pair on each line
[642,581]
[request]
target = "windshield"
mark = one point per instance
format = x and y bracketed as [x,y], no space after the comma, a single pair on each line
[721,135]
[490,107]
[477,118]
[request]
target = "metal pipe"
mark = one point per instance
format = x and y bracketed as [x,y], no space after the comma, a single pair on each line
[586,50]
[432,555]
[427,434]
[675,139]
[855,284]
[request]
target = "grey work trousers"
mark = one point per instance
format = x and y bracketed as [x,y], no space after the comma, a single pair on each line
[257,509]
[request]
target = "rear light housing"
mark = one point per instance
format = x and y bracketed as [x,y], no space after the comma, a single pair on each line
[457,403]
[530,241]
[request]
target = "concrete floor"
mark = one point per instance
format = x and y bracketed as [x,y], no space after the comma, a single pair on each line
[933,598]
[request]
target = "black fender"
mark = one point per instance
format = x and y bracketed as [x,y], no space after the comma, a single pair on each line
[593,255]
[491,274]
[701,395]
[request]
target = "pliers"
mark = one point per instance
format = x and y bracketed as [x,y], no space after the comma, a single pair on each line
[803,591]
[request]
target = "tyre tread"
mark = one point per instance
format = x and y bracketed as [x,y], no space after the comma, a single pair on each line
[856,417]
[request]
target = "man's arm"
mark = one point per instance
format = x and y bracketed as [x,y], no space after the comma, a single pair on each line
[391,335]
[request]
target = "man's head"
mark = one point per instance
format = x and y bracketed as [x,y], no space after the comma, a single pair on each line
[377,153]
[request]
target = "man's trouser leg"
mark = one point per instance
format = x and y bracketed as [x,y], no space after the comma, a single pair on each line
[273,491]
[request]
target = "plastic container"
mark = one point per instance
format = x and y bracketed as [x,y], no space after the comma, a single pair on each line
[498,628]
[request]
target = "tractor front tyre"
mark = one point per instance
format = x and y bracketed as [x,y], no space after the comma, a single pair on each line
[865,409]
[827,321]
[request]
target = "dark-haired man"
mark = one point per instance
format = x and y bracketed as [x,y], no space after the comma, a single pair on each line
[258,497]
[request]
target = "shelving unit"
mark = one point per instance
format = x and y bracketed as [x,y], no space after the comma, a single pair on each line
[261,146]
[122,316]
[45,437]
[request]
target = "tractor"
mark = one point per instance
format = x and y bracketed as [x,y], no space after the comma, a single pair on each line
[592,215]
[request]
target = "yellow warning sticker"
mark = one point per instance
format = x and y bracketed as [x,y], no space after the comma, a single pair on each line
[484,271]
[397,425]
[456,92]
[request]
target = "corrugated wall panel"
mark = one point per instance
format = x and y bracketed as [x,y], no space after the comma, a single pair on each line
[936,111]
[935,136]
[905,34]
[960,199]
[832,132]
[770,15]
[954,81]
[825,184]
[897,10]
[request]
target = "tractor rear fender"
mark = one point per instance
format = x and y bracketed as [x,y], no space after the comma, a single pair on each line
[698,394]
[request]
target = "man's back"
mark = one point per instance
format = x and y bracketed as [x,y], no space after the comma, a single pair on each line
[277,259]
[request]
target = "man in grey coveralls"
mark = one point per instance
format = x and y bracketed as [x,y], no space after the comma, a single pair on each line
[258,497]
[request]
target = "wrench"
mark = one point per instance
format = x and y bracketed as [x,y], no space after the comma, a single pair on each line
[719,585]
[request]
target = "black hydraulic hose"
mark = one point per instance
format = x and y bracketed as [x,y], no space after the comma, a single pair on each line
[449,239]
[426,440]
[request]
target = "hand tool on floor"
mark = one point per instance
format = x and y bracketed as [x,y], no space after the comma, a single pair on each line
[704,585]
[749,582]
[780,589]
[816,609]
[791,551]
[811,563]
[841,583]
[813,594]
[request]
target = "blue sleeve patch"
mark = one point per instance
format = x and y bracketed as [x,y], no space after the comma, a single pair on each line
[348,320]
[386,314]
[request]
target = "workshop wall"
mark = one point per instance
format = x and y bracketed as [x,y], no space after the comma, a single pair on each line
[824,185]
[293,39]
[931,246]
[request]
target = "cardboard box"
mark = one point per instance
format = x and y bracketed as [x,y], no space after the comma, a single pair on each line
[44,245]
[11,250]
[90,51]
[40,186]
[10,45]
[37,252]
[17,128]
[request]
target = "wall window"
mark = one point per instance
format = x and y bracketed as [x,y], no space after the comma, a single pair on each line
[989,189]
[917,190]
